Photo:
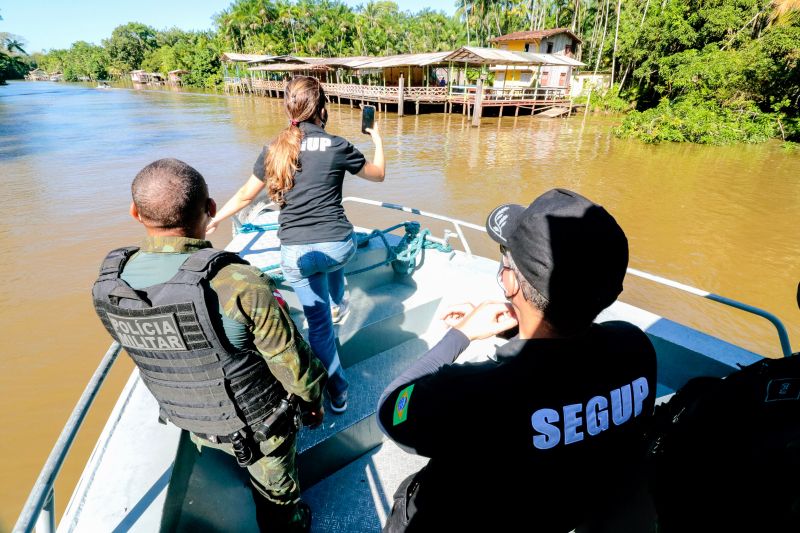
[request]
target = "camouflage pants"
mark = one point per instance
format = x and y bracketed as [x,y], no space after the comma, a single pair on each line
[274,476]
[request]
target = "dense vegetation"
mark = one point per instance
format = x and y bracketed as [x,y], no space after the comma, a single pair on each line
[12,62]
[708,71]
[716,71]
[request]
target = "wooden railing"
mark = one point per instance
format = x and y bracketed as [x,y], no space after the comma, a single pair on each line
[265,87]
[361,92]
[426,94]
[237,84]
[459,94]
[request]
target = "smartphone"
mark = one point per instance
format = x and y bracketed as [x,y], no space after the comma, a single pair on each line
[367,117]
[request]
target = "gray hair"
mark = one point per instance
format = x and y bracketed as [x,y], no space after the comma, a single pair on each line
[564,321]
[529,292]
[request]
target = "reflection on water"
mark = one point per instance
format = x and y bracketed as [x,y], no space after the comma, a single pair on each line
[719,218]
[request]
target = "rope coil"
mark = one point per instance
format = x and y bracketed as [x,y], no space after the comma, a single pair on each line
[402,257]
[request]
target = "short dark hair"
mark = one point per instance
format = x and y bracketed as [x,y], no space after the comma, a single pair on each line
[168,193]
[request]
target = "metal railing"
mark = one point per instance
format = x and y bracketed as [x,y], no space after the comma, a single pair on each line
[39,508]
[457,224]
[783,336]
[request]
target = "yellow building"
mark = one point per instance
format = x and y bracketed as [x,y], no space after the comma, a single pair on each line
[556,41]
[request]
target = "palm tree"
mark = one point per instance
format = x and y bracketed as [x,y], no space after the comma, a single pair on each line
[286,17]
[465,8]
[14,45]
[10,48]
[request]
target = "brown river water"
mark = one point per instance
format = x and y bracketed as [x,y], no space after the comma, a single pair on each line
[717,218]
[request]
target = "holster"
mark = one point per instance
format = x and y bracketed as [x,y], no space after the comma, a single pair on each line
[245,448]
[284,420]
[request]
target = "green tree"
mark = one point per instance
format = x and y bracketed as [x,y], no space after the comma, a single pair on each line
[128,46]
[14,60]
[86,60]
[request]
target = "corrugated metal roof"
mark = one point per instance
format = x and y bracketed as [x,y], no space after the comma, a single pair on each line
[233,56]
[533,35]
[290,67]
[405,60]
[467,54]
[348,62]
[288,58]
[475,55]
[327,61]
[552,59]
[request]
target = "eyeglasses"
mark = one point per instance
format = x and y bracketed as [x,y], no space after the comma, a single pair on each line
[503,267]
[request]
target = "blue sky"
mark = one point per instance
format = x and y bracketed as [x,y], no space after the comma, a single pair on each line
[48,24]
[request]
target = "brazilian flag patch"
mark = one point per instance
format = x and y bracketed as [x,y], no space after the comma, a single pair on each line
[401,405]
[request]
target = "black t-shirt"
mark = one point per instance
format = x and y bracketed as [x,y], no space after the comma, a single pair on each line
[537,436]
[313,210]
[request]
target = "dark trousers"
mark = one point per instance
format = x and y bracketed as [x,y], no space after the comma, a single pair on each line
[405,505]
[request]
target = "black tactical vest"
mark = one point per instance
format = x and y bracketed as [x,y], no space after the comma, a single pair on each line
[171,331]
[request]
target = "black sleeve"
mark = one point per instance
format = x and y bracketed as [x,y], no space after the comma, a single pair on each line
[258,166]
[413,407]
[350,158]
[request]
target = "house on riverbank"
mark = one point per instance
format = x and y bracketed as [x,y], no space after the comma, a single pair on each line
[37,74]
[175,77]
[556,41]
[234,70]
[147,78]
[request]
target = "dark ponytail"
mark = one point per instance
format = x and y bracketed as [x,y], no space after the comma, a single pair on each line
[304,100]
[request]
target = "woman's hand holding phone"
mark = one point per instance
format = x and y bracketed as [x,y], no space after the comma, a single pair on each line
[375,134]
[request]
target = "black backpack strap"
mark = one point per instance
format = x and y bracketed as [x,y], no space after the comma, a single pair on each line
[115,261]
[204,264]
[124,291]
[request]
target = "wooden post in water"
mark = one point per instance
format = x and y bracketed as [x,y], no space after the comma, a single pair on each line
[476,111]
[400,84]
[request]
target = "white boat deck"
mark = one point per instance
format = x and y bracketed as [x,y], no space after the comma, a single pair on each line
[124,484]
[143,476]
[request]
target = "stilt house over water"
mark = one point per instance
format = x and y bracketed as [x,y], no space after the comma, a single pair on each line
[37,74]
[234,70]
[174,77]
[435,78]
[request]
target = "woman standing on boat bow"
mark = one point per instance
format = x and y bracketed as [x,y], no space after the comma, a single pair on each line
[303,169]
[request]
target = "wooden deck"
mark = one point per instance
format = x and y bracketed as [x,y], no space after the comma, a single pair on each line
[533,99]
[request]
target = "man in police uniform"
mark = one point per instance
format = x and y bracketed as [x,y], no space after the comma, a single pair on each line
[543,433]
[212,339]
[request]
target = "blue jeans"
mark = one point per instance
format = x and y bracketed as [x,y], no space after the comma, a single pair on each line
[315,272]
